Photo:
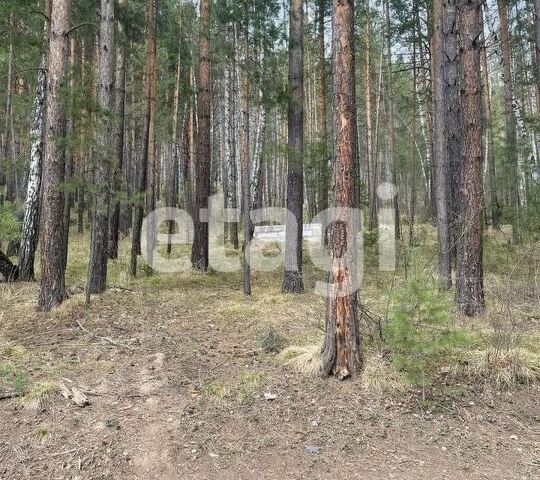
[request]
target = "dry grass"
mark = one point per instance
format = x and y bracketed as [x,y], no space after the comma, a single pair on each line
[40,395]
[503,370]
[305,360]
[378,376]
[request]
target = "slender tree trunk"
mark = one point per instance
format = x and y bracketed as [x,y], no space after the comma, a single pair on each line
[52,287]
[142,171]
[152,179]
[70,150]
[469,274]
[489,149]
[323,132]
[172,173]
[100,234]
[199,252]
[83,153]
[452,114]
[341,353]
[245,156]
[391,126]
[119,109]
[412,211]
[8,152]
[292,280]
[232,144]
[440,154]
[537,44]
[510,121]
[30,227]
[369,127]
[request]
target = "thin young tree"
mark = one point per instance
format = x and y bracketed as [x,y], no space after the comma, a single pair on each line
[469,268]
[341,354]
[100,233]
[292,280]
[199,251]
[52,290]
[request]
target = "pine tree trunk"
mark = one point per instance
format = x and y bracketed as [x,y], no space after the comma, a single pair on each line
[452,114]
[233,226]
[199,252]
[469,273]
[70,150]
[440,155]
[119,109]
[30,227]
[390,122]
[100,233]
[489,149]
[510,121]
[52,288]
[341,353]
[144,167]
[292,280]
[245,156]
[323,132]
[368,106]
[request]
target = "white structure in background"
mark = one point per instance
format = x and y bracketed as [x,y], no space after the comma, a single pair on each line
[276,233]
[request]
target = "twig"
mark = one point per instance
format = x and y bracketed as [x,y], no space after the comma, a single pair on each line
[67,452]
[107,339]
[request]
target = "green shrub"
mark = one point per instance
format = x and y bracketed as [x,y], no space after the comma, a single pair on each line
[10,222]
[420,331]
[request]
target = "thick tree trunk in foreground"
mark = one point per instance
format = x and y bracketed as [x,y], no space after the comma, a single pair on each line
[469,273]
[30,227]
[199,251]
[341,353]
[119,109]
[440,153]
[292,280]
[100,234]
[52,288]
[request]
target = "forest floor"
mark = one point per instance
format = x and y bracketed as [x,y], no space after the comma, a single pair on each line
[180,387]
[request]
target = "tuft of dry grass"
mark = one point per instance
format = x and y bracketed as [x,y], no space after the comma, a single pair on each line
[378,376]
[503,369]
[305,360]
[40,395]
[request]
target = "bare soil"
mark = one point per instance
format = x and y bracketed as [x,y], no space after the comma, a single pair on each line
[176,384]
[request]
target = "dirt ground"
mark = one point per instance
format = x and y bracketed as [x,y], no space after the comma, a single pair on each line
[177,391]
[180,389]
